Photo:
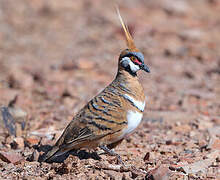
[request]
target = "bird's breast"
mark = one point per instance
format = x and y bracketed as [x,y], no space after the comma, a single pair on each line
[134,118]
[134,113]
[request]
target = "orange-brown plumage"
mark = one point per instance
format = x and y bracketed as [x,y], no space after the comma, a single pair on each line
[108,118]
[129,39]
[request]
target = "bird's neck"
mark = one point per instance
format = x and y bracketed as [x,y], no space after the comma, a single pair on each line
[126,77]
[131,82]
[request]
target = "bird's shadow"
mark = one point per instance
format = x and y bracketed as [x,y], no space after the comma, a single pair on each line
[81,154]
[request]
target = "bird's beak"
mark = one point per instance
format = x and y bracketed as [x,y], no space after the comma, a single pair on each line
[145,67]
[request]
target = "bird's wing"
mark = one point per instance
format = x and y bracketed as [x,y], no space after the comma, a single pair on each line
[102,116]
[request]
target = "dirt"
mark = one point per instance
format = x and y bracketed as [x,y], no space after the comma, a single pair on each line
[56,55]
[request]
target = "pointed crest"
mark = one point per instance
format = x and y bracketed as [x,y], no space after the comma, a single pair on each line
[129,39]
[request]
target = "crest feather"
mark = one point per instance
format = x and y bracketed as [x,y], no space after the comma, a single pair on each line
[129,39]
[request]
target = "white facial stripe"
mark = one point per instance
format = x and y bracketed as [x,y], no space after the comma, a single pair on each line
[138,104]
[134,68]
[134,118]
[125,59]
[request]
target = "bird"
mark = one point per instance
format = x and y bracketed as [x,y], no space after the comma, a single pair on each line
[113,114]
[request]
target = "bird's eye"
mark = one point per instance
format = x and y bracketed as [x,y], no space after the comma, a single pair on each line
[135,60]
[132,58]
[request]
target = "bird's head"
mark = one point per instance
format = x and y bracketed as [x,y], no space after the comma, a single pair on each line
[131,59]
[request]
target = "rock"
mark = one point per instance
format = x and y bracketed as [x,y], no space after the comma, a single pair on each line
[214,143]
[62,169]
[160,173]
[18,143]
[214,131]
[32,141]
[8,121]
[11,157]
[13,118]
[183,128]
[202,165]
[34,156]
[147,156]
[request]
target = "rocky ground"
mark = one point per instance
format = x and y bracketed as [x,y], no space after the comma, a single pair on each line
[56,55]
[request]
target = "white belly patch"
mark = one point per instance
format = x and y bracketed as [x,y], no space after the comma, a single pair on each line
[134,118]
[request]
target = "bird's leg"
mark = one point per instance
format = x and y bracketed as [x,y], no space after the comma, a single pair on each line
[112,153]
[113,145]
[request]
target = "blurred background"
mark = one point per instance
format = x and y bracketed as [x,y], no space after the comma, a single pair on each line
[56,55]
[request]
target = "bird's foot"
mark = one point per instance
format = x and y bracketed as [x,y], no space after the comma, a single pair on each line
[112,153]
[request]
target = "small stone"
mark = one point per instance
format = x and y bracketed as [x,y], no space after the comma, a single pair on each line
[147,156]
[32,141]
[18,143]
[11,157]
[162,172]
[214,143]
[34,156]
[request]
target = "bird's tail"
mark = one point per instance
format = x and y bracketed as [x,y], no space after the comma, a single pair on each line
[54,152]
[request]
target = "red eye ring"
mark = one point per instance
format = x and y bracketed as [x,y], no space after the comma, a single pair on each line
[136,61]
